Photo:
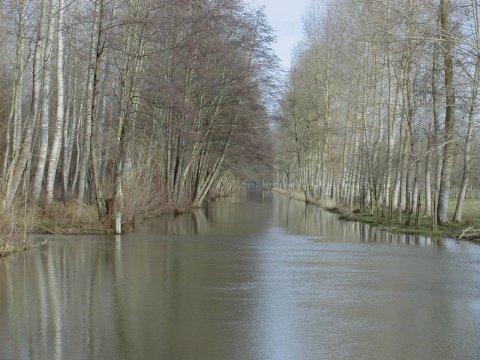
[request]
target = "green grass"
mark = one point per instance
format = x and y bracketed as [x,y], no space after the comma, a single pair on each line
[471,217]
[424,228]
[471,210]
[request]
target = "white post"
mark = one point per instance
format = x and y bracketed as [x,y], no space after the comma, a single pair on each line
[118,223]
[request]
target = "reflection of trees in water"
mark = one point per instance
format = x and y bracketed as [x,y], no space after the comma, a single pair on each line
[301,218]
[81,298]
[250,213]
[92,297]
[60,304]
[245,213]
[194,222]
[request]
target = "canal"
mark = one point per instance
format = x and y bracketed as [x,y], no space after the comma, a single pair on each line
[253,276]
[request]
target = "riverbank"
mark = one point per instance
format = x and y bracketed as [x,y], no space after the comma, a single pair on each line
[57,218]
[424,228]
[304,269]
[69,219]
[10,245]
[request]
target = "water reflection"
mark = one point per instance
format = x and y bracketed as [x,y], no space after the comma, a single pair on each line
[241,214]
[250,214]
[301,218]
[90,298]
[252,277]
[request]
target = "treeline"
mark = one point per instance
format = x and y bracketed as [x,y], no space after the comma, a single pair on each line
[381,106]
[133,105]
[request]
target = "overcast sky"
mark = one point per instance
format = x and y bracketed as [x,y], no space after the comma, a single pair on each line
[285,17]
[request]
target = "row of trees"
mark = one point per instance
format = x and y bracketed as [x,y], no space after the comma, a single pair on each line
[381,106]
[117,102]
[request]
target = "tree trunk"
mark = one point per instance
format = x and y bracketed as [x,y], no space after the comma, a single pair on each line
[444,193]
[93,111]
[471,122]
[428,180]
[45,112]
[57,137]
[14,131]
[87,136]
[18,164]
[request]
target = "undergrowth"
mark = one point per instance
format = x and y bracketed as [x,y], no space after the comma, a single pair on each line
[69,218]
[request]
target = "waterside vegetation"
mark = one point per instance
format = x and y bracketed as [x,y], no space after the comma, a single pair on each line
[380,114]
[466,230]
[152,106]
[137,106]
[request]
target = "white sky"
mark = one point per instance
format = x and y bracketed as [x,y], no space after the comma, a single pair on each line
[285,17]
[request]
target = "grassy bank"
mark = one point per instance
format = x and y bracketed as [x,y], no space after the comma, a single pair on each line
[69,219]
[57,218]
[454,230]
[66,219]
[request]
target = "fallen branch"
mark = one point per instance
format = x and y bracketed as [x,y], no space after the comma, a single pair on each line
[46,229]
[470,233]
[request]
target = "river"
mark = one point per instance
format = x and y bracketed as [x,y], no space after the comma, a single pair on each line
[253,276]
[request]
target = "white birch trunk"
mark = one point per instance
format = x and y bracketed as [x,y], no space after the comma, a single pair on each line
[57,137]
[45,112]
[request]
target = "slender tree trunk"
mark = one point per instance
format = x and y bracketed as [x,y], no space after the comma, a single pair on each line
[471,123]
[18,164]
[69,135]
[87,137]
[14,131]
[133,58]
[444,193]
[57,137]
[93,111]
[45,112]
[428,180]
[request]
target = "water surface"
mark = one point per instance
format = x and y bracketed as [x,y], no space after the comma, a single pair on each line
[255,276]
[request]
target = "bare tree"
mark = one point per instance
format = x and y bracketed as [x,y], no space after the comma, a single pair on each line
[58,132]
[45,104]
[471,117]
[446,43]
